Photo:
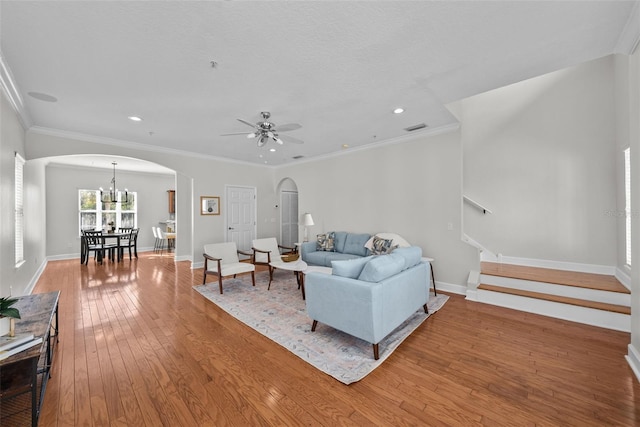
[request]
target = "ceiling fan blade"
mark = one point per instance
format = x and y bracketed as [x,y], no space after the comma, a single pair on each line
[287,138]
[238,133]
[288,127]
[248,124]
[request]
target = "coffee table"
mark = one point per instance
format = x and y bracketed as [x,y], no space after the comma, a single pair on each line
[296,266]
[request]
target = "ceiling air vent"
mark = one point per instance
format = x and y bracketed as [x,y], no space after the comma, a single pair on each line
[415,127]
[297,157]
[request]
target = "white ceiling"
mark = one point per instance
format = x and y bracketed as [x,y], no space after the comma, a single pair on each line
[336,68]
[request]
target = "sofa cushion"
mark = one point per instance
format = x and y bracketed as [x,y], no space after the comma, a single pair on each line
[340,238]
[354,244]
[325,242]
[324,258]
[412,255]
[381,246]
[381,267]
[350,268]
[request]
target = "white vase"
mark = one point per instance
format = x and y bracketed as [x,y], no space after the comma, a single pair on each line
[5,325]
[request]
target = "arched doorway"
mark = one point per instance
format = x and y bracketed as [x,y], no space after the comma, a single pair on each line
[288,194]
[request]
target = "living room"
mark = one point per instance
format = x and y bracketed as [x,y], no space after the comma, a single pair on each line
[549,191]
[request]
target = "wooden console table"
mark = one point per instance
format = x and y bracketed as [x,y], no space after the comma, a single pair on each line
[29,371]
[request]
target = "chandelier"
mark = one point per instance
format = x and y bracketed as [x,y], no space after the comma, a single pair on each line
[112,195]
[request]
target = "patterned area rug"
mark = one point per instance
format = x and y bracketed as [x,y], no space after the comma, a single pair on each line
[279,314]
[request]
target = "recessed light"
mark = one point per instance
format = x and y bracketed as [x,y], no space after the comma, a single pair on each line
[273,150]
[398,110]
[135,118]
[345,145]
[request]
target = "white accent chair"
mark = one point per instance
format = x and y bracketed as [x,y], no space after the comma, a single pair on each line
[225,262]
[266,251]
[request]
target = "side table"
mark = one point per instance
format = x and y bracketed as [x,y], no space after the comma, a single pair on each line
[433,279]
[29,370]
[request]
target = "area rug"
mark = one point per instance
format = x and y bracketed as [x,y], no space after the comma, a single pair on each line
[280,315]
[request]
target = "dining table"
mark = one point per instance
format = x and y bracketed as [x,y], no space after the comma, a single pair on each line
[118,235]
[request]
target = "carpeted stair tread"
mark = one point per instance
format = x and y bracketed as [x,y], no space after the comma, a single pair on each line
[560,277]
[556,298]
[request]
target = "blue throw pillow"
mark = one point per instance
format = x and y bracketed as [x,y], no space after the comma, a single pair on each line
[350,268]
[381,267]
[412,255]
[325,242]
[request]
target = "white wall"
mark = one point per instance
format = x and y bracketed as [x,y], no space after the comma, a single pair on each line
[541,154]
[634,142]
[411,188]
[63,183]
[18,281]
[195,176]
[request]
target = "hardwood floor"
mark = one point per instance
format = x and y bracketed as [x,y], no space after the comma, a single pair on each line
[139,347]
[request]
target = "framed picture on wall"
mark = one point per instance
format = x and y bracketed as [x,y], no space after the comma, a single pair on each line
[209,205]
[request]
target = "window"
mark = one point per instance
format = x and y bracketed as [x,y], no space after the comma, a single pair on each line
[19,210]
[627,201]
[95,215]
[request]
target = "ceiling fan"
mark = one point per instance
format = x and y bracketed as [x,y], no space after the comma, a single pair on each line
[266,130]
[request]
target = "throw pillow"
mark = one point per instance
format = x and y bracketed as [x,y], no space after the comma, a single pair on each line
[350,268]
[381,246]
[325,242]
[382,267]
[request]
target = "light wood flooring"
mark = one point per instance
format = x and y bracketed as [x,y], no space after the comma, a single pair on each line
[139,347]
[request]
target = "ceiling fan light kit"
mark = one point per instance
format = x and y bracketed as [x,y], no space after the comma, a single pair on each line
[266,130]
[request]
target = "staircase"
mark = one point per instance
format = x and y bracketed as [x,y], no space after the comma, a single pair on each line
[593,299]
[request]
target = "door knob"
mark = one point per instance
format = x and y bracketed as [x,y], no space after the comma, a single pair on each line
[231,228]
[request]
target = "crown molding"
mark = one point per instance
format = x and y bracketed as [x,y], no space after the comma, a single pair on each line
[391,141]
[630,35]
[10,89]
[130,145]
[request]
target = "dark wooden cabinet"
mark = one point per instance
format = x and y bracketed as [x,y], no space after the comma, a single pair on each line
[172,201]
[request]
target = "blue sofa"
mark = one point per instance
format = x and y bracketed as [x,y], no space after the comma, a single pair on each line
[345,246]
[369,297]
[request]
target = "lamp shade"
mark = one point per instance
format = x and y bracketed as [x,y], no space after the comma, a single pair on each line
[307,220]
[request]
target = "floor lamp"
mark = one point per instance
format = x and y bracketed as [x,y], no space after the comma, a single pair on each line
[307,221]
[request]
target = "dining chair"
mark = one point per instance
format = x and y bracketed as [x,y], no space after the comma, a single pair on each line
[93,241]
[161,239]
[131,241]
[221,259]
[155,235]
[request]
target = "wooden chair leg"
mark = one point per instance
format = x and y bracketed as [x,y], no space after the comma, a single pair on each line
[376,355]
[426,309]
[253,278]
[270,277]
[204,278]
[220,281]
[313,325]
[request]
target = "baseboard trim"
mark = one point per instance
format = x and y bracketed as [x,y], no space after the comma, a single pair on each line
[623,278]
[559,265]
[451,288]
[36,277]
[633,358]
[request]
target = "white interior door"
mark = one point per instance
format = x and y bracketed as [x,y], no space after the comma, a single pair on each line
[241,216]
[288,218]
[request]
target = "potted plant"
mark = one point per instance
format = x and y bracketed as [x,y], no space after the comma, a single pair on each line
[7,313]
[112,227]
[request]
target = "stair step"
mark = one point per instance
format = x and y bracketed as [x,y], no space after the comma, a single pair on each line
[555,298]
[562,277]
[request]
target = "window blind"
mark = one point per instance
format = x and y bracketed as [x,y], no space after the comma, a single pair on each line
[19,209]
